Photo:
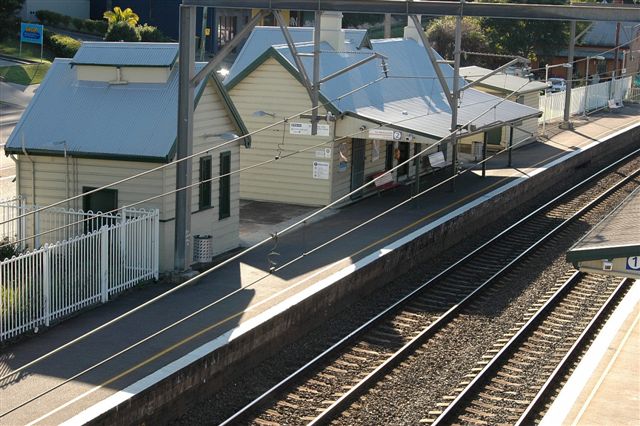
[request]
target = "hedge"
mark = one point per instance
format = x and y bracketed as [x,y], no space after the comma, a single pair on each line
[60,45]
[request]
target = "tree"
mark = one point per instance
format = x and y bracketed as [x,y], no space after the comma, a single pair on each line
[441,34]
[119,15]
[8,19]
[122,31]
[527,38]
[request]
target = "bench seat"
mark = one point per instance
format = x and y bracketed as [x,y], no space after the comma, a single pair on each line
[385,182]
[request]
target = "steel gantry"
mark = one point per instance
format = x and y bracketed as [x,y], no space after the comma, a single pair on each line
[188,79]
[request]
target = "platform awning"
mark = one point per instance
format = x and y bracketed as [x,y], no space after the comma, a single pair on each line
[612,247]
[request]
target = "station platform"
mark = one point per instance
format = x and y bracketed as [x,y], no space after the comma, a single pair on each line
[604,389]
[201,318]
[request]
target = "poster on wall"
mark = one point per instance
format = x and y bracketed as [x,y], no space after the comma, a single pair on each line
[375,150]
[320,170]
[305,129]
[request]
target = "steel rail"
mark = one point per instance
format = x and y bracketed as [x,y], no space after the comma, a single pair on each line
[588,12]
[572,354]
[445,319]
[397,305]
[510,347]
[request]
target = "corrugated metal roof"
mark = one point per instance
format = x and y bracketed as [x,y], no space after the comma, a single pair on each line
[411,96]
[501,81]
[615,236]
[262,38]
[583,52]
[603,34]
[126,54]
[96,119]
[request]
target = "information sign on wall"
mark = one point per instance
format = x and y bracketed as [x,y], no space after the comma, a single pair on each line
[320,170]
[305,129]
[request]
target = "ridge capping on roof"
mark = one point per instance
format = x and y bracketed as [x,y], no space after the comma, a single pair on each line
[126,54]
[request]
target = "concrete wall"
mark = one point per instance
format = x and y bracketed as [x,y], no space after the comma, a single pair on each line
[209,373]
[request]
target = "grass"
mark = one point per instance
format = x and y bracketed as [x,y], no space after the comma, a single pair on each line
[25,74]
[11,47]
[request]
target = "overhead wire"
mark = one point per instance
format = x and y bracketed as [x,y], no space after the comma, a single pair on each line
[243,252]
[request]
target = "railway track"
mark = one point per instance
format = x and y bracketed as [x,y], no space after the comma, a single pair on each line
[323,388]
[523,369]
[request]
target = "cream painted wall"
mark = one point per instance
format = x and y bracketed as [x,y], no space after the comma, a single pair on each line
[128,74]
[271,88]
[210,118]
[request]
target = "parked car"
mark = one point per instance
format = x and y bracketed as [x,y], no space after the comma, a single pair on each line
[557,84]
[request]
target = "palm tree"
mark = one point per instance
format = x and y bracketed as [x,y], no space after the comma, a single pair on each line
[119,15]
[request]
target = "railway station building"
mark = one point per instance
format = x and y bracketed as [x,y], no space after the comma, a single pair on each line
[110,113]
[375,115]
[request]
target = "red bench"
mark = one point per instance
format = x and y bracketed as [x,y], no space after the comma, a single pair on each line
[385,182]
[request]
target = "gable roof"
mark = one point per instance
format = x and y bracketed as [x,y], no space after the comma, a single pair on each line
[501,81]
[127,54]
[262,38]
[411,98]
[135,121]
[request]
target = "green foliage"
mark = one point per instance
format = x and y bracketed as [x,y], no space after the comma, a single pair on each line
[8,250]
[531,38]
[122,31]
[60,45]
[119,15]
[9,23]
[441,33]
[150,33]
[59,20]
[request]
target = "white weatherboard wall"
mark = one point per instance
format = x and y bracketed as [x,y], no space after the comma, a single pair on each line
[271,88]
[210,118]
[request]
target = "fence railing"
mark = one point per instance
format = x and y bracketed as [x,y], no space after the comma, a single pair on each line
[55,280]
[598,95]
[52,224]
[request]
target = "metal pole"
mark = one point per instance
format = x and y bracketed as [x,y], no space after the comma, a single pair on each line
[510,144]
[546,100]
[484,154]
[586,88]
[566,124]
[316,73]
[455,96]
[387,25]
[203,34]
[186,67]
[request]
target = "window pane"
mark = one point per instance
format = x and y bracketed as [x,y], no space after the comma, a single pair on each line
[204,198]
[225,185]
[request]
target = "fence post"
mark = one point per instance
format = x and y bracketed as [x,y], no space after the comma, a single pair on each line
[104,263]
[36,228]
[156,244]
[46,283]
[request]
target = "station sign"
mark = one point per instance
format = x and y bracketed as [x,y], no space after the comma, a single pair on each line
[305,129]
[386,135]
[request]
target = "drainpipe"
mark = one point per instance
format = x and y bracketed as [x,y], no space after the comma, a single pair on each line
[66,160]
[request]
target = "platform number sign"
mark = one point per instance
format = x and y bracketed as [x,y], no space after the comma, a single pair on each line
[633,263]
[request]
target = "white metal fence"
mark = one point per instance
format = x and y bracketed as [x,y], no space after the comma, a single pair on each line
[53,281]
[598,95]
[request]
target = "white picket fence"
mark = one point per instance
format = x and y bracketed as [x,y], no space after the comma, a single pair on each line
[598,95]
[57,279]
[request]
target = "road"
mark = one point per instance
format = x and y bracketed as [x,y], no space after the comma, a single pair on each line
[9,116]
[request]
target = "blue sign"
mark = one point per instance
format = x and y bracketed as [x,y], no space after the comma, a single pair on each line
[633,263]
[31,33]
